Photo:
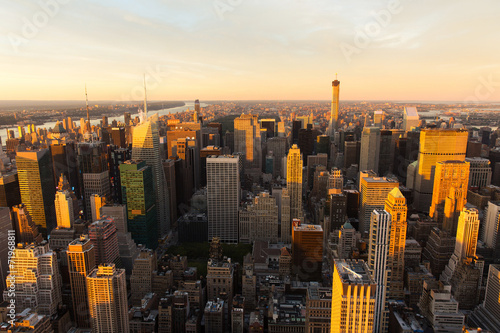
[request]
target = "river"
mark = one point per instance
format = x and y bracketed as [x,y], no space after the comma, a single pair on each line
[97,121]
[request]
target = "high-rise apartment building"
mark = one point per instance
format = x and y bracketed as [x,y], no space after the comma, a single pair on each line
[146,147]
[334,113]
[223,197]
[34,276]
[395,205]
[37,187]
[379,263]
[294,166]
[436,145]
[81,261]
[139,196]
[370,149]
[247,139]
[353,297]
[374,191]
[107,297]
[449,194]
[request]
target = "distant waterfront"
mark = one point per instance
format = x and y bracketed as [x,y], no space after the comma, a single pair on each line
[97,121]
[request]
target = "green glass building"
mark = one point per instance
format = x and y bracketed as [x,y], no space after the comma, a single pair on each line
[138,194]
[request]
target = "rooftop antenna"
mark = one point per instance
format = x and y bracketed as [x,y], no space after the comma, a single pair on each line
[335,76]
[145,100]
[87,103]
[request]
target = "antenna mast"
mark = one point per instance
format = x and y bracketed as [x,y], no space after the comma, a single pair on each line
[87,103]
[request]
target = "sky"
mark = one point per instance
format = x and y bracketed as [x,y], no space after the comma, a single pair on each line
[446,50]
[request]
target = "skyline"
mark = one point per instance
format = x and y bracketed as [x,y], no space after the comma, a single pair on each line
[242,50]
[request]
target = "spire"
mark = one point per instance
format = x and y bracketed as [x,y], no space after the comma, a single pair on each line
[87,103]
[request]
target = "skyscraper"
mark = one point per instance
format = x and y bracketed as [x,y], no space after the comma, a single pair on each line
[334,113]
[37,187]
[34,275]
[436,145]
[374,191]
[466,241]
[141,280]
[223,197]
[491,228]
[261,219]
[450,192]
[64,210]
[410,118]
[294,166]
[247,139]
[353,297]
[81,261]
[487,314]
[138,195]
[146,147]
[103,235]
[370,149]
[480,172]
[395,205]
[307,250]
[107,297]
[94,173]
[379,264]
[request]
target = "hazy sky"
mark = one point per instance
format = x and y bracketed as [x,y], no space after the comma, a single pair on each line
[250,49]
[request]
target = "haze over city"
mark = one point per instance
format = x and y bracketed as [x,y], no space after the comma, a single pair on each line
[250,50]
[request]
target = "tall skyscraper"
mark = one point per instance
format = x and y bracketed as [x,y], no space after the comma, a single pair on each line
[286,222]
[379,264]
[107,295]
[466,241]
[34,275]
[138,194]
[395,205]
[146,147]
[370,149]
[81,261]
[450,192]
[353,297]
[491,229]
[223,197]
[247,139]
[10,194]
[374,191]
[36,183]
[294,172]
[436,145]
[64,210]
[334,113]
